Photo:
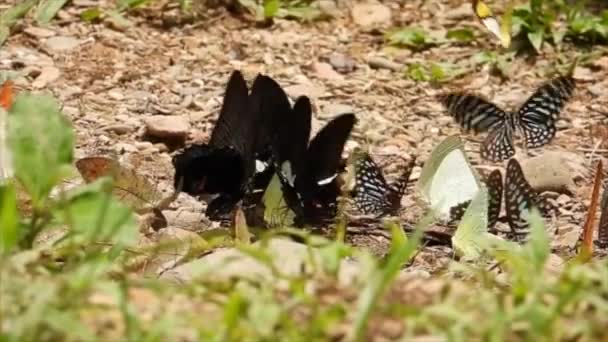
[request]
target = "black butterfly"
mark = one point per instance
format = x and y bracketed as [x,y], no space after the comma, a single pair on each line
[535,120]
[372,194]
[308,171]
[602,234]
[494,186]
[226,165]
[519,197]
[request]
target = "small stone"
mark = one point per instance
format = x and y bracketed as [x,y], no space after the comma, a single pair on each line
[311,90]
[167,127]
[116,94]
[124,147]
[62,43]
[39,32]
[341,62]
[142,145]
[324,70]
[119,128]
[370,15]
[331,110]
[47,75]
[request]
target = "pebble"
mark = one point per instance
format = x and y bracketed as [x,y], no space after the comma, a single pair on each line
[342,62]
[119,128]
[47,75]
[326,71]
[370,15]
[62,43]
[39,32]
[167,127]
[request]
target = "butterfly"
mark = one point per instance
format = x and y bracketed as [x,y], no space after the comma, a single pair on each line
[494,187]
[372,194]
[227,166]
[519,197]
[308,171]
[535,119]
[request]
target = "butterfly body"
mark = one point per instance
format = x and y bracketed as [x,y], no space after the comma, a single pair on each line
[534,120]
[372,193]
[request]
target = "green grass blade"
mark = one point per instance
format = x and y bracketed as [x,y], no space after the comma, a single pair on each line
[381,279]
[48,10]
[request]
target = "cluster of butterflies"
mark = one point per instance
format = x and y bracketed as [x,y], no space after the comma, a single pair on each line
[259,134]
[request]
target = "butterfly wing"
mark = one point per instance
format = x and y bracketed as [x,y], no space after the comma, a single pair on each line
[519,199]
[494,185]
[324,155]
[398,188]
[498,145]
[539,113]
[273,104]
[371,190]
[316,179]
[235,127]
[473,112]
[290,144]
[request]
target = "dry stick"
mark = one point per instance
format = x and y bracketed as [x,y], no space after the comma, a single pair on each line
[587,247]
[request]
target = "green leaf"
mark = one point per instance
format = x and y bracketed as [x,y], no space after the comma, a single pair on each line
[536,39]
[128,4]
[186,5]
[9,218]
[271,7]
[398,237]
[5,31]
[41,140]
[417,72]
[91,14]
[303,13]
[413,37]
[47,10]
[484,57]
[538,246]
[117,19]
[93,215]
[461,35]
[10,16]
[381,279]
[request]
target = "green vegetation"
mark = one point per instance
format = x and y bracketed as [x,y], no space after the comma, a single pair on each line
[81,285]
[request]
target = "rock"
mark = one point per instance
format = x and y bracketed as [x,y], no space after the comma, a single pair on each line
[47,75]
[167,127]
[326,71]
[383,63]
[331,110]
[62,43]
[553,171]
[371,15]
[39,32]
[311,90]
[291,259]
[342,62]
[119,128]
